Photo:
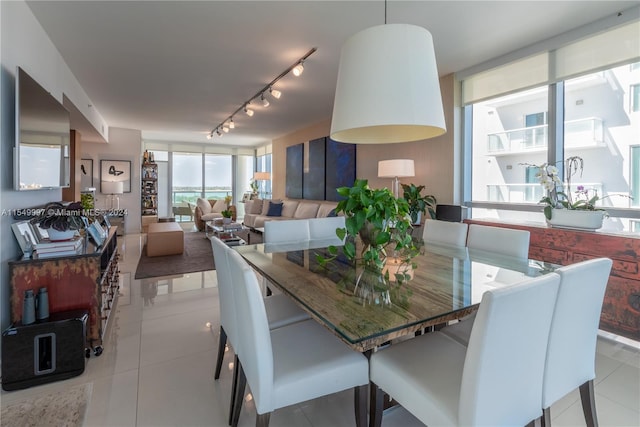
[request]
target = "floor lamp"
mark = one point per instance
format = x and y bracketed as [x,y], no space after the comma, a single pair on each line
[113,189]
[396,168]
[262,176]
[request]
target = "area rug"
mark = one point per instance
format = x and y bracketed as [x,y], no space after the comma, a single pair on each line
[197,256]
[61,408]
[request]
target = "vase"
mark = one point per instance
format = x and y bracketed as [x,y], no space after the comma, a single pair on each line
[575,219]
[226,220]
[57,235]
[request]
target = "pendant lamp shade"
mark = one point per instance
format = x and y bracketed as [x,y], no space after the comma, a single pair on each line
[388,88]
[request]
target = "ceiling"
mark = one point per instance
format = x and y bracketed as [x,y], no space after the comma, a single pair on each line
[176,69]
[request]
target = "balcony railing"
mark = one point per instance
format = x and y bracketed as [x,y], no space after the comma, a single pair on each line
[580,133]
[184,196]
[529,193]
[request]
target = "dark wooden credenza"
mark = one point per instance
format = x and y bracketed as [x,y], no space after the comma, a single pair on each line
[88,281]
[621,308]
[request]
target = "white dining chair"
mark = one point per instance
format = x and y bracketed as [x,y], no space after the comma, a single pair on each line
[499,240]
[571,352]
[325,228]
[445,233]
[292,364]
[495,381]
[280,311]
[286,231]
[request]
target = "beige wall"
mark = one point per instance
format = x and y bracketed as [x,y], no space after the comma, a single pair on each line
[437,160]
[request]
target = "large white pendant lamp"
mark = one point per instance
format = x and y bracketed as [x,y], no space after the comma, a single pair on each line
[388,89]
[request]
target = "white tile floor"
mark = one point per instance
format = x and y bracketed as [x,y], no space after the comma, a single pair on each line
[157,366]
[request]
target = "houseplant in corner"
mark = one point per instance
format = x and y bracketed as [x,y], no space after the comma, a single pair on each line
[60,220]
[418,204]
[227,214]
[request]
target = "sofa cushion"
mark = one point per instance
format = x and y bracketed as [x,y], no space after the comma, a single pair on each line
[204,205]
[219,206]
[306,210]
[275,209]
[265,205]
[211,216]
[289,208]
[256,207]
[325,210]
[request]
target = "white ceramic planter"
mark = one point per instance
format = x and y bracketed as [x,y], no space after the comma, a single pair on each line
[576,219]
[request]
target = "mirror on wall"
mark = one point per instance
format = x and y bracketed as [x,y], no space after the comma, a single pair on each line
[41,158]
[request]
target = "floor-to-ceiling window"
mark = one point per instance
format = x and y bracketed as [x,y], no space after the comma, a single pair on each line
[591,112]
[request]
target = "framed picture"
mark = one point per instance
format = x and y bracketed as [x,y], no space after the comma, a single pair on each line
[246,197]
[25,236]
[105,222]
[100,229]
[86,173]
[95,235]
[116,170]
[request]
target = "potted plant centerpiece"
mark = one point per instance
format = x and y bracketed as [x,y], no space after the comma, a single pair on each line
[59,220]
[564,209]
[418,204]
[377,228]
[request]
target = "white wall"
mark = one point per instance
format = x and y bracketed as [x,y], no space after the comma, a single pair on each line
[24,43]
[124,144]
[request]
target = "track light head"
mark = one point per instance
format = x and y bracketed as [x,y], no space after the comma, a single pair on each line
[275,93]
[298,69]
[210,135]
[225,129]
[218,132]
[232,124]
[265,101]
[248,111]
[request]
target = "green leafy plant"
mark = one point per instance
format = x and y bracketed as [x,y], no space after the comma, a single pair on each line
[417,202]
[227,213]
[60,217]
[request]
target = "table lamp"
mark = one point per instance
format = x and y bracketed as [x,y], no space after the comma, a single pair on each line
[113,188]
[262,176]
[396,168]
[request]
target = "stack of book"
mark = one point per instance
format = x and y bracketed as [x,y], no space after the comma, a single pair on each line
[48,249]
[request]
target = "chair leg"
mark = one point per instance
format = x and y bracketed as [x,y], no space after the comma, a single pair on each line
[375,405]
[239,395]
[262,420]
[222,342]
[360,403]
[545,420]
[587,396]
[234,385]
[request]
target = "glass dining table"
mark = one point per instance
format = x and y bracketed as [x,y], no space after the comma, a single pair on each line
[443,284]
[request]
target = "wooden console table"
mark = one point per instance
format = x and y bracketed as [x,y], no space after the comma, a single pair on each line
[621,308]
[86,281]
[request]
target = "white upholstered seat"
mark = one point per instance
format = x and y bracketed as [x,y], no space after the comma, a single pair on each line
[499,240]
[325,228]
[286,231]
[495,381]
[280,309]
[445,233]
[291,364]
[571,351]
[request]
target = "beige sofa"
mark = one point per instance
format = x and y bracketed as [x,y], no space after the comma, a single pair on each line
[256,211]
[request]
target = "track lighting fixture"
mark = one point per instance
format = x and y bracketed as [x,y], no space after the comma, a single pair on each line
[210,135]
[275,93]
[296,69]
[265,101]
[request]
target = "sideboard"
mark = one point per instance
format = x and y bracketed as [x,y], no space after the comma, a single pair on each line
[621,307]
[89,281]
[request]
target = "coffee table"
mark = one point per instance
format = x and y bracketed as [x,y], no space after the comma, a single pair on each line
[226,232]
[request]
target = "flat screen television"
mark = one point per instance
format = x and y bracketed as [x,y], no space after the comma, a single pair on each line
[41,152]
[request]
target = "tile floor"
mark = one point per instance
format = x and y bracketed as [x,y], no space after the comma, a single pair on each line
[157,366]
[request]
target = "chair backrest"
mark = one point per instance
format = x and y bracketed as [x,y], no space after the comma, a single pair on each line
[255,338]
[572,340]
[286,231]
[452,213]
[445,233]
[505,241]
[225,291]
[502,376]
[325,228]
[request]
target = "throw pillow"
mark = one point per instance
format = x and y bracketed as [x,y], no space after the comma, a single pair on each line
[219,206]
[256,207]
[275,209]
[204,205]
[332,213]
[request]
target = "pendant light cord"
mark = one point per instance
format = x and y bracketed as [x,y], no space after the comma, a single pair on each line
[385,12]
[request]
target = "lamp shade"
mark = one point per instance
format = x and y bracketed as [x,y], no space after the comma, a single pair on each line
[262,176]
[112,187]
[396,168]
[388,89]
